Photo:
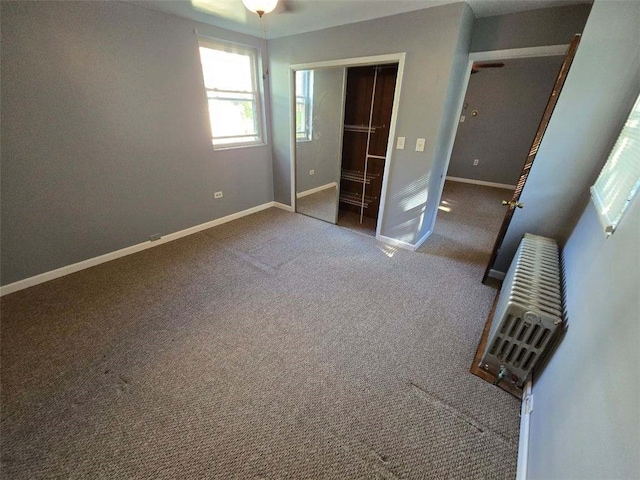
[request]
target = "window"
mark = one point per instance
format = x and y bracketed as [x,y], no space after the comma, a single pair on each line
[304,104]
[619,180]
[234,102]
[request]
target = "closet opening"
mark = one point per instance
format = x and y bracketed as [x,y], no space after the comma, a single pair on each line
[368,107]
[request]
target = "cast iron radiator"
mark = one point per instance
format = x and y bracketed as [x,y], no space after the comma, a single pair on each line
[528,313]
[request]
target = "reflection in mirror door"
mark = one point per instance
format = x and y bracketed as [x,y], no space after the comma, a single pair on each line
[319,126]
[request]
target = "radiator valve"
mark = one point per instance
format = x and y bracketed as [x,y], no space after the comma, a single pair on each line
[503,373]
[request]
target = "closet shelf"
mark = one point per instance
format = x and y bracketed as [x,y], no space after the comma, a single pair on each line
[356,199]
[362,128]
[358,176]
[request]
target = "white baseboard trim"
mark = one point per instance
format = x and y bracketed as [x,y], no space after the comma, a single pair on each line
[316,190]
[404,245]
[523,443]
[283,206]
[497,274]
[481,182]
[419,243]
[396,243]
[91,262]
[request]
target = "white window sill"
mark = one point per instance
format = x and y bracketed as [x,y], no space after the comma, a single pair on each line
[235,147]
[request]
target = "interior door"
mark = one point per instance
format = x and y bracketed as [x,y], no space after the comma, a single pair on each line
[546,117]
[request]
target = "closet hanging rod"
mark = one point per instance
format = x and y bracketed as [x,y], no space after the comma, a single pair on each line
[382,67]
[380,157]
[362,128]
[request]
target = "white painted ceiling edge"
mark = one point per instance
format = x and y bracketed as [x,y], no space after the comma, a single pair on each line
[299,16]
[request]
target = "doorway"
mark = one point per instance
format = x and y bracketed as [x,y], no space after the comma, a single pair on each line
[367,116]
[500,110]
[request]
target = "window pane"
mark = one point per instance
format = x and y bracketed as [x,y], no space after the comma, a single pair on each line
[230,118]
[226,71]
[232,93]
[301,123]
[301,77]
[619,180]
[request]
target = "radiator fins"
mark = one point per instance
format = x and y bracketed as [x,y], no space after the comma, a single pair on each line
[529,310]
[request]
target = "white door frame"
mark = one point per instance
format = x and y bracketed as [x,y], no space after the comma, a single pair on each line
[548,51]
[398,58]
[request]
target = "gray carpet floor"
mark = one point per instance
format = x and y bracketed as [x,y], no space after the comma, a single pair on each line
[274,346]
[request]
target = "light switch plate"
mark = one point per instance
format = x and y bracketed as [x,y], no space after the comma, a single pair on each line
[420,145]
[400,143]
[462,119]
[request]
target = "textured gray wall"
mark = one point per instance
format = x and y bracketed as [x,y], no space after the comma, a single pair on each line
[451,110]
[105,137]
[598,93]
[510,102]
[534,28]
[585,422]
[431,39]
[323,153]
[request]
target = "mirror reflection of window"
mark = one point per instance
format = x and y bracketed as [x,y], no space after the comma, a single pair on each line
[304,105]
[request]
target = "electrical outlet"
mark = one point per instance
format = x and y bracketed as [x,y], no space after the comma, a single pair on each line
[462,119]
[475,162]
[528,403]
[217,195]
[311,172]
[400,143]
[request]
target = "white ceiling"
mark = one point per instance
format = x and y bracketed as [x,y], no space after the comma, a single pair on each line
[298,16]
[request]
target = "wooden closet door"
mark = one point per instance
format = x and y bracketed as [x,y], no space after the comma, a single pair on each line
[382,108]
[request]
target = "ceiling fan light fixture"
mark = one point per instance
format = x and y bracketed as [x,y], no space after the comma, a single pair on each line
[260,6]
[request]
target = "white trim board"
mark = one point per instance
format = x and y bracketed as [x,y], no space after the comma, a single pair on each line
[419,243]
[481,182]
[349,62]
[396,243]
[283,206]
[92,262]
[525,420]
[311,191]
[404,245]
[401,244]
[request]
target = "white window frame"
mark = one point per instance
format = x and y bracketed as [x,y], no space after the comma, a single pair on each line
[306,99]
[619,181]
[252,53]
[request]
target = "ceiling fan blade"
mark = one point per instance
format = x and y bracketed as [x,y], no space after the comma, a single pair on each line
[227,9]
[477,66]
[288,6]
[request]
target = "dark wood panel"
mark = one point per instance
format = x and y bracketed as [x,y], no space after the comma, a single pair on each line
[360,82]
